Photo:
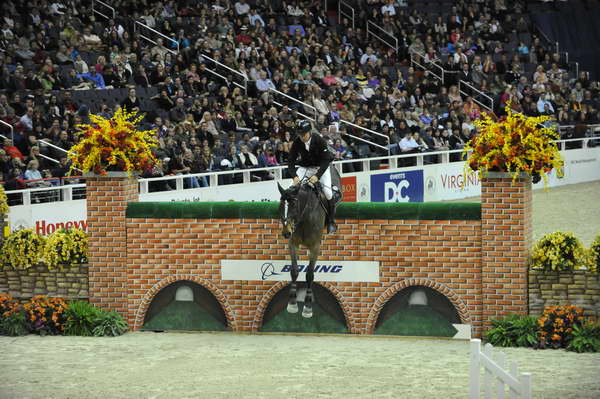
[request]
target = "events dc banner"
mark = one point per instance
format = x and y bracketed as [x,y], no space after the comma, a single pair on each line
[397,187]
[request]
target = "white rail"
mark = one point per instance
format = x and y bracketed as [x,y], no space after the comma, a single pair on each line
[443,157]
[342,12]
[479,93]
[143,36]
[12,131]
[423,64]
[391,41]
[238,73]
[306,105]
[95,11]
[519,386]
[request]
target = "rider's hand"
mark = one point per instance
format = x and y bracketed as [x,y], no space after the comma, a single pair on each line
[296,180]
[313,179]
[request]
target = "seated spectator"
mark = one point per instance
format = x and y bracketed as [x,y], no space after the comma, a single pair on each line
[96,78]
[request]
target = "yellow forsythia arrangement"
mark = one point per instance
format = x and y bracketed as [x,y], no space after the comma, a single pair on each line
[595,254]
[3,202]
[515,143]
[559,251]
[22,249]
[25,248]
[64,248]
[114,145]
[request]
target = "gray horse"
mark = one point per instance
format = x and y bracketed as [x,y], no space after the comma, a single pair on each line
[302,213]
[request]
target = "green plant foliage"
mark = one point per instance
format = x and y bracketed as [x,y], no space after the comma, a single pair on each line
[585,338]
[81,318]
[13,325]
[513,330]
[109,324]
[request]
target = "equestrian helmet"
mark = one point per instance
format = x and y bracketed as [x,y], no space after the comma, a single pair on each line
[304,126]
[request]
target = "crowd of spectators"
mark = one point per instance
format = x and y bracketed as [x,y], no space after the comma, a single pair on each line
[52,51]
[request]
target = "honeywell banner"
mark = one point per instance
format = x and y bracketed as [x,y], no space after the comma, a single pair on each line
[279,270]
[48,217]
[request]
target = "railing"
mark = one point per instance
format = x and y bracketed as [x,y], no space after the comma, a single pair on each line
[391,41]
[479,93]
[138,25]
[77,191]
[233,71]
[302,103]
[519,386]
[95,11]
[12,131]
[423,64]
[370,132]
[342,12]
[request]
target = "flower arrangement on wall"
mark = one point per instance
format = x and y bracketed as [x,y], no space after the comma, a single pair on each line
[114,144]
[25,248]
[515,144]
[560,251]
[3,202]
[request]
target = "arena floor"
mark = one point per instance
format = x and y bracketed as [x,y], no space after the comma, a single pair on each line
[574,208]
[238,366]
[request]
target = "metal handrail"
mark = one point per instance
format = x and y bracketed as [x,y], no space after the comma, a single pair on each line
[366,141]
[341,12]
[491,108]
[12,131]
[105,5]
[244,77]
[298,113]
[55,146]
[224,78]
[424,67]
[395,40]
[158,33]
[312,107]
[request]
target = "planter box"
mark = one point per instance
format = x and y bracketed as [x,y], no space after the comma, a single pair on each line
[577,287]
[71,283]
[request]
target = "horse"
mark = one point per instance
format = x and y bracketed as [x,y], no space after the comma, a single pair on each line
[302,213]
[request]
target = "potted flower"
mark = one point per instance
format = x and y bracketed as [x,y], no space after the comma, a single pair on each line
[114,145]
[65,248]
[514,144]
[559,251]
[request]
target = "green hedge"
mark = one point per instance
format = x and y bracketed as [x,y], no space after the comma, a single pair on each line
[269,210]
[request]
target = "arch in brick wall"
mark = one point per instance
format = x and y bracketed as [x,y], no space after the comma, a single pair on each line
[268,296]
[452,296]
[151,293]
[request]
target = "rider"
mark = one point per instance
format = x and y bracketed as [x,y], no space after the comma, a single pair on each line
[310,158]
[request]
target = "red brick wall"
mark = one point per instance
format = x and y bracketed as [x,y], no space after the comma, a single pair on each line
[107,199]
[506,234]
[479,265]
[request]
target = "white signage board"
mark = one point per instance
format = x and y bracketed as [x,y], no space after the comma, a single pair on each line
[48,217]
[449,182]
[279,270]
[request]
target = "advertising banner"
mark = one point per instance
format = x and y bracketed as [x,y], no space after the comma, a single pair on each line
[397,186]
[449,182]
[349,188]
[49,217]
[279,270]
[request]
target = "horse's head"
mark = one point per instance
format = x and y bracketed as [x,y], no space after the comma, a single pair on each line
[291,208]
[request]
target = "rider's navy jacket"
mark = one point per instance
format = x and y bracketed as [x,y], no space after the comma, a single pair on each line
[317,155]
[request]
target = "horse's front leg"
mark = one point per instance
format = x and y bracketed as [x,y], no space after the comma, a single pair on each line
[292,306]
[307,310]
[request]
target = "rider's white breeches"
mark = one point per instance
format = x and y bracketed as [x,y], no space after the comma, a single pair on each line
[325,179]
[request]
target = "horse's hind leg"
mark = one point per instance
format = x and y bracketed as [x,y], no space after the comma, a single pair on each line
[292,306]
[307,310]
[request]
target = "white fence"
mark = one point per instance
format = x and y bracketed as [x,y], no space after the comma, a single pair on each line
[519,386]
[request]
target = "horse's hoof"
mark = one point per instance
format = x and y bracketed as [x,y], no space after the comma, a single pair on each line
[307,312]
[292,308]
